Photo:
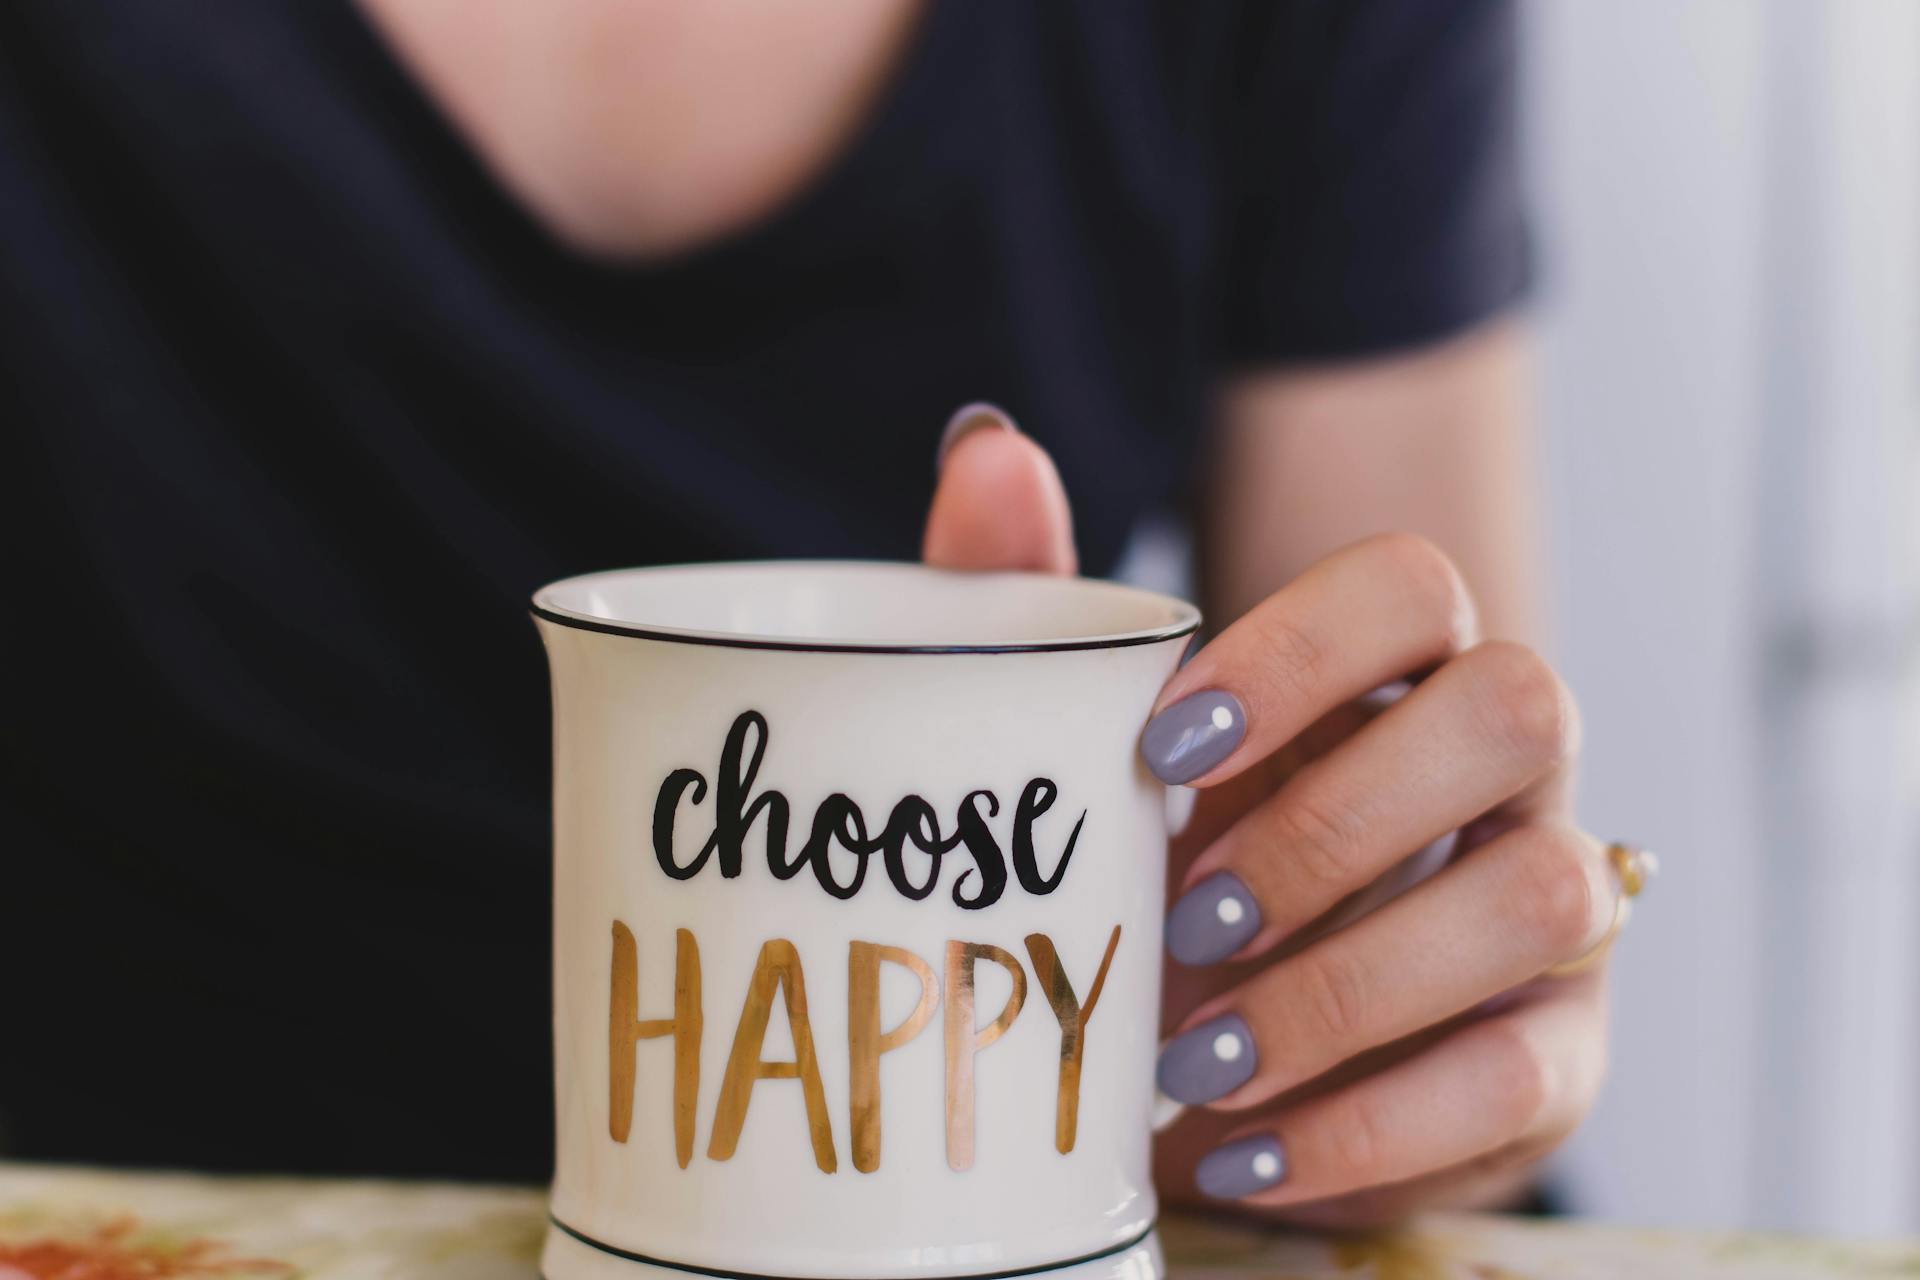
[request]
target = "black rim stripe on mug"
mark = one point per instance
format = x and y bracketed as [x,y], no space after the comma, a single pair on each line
[722,1274]
[809,646]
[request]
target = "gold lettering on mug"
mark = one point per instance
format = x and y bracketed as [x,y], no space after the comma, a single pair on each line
[866,1042]
[963,1042]
[626,1029]
[1072,1015]
[777,968]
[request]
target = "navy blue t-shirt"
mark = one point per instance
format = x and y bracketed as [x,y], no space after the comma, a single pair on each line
[299,407]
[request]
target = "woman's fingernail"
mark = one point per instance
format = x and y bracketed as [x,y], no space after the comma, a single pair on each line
[1212,920]
[967,419]
[1193,735]
[1241,1168]
[1208,1062]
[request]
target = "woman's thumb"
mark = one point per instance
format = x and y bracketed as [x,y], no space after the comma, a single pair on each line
[999,503]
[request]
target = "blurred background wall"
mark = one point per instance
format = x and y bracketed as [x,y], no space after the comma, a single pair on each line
[1729,200]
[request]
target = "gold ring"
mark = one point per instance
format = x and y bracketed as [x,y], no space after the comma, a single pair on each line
[1632,869]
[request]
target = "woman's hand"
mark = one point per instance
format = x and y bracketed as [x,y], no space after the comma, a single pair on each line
[1413,1056]
[1347,1060]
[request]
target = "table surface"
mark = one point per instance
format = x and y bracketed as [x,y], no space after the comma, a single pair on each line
[75,1224]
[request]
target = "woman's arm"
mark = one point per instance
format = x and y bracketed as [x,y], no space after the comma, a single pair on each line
[1436,442]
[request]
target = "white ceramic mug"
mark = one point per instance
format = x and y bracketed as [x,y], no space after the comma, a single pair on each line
[858,883]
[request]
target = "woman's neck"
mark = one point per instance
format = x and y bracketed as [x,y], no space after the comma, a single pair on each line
[637,130]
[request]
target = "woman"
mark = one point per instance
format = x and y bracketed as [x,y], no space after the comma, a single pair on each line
[330,333]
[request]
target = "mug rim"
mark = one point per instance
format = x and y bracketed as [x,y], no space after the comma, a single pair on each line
[545,606]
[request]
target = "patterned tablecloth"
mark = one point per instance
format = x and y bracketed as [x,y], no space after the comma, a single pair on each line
[64,1224]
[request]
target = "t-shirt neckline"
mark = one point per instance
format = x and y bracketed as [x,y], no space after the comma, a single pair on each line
[904,102]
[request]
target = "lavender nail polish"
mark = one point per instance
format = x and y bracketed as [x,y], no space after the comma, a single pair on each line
[1240,1168]
[967,419]
[1212,920]
[1193,735]
[1208,1062]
